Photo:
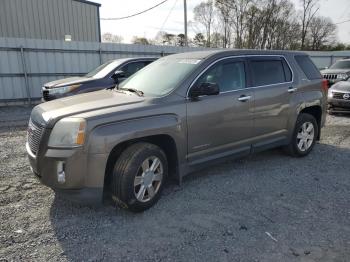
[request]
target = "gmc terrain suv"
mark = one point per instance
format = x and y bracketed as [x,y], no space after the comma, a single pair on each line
[106,75]
[179,114]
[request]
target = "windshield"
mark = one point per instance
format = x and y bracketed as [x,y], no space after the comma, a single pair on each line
[341,65]
[160,77]
[104,69]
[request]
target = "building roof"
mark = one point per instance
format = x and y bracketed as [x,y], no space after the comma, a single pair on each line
[88,2]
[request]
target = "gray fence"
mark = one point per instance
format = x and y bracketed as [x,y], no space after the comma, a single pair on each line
[26,64]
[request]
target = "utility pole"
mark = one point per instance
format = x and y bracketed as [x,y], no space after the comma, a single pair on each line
[185,22]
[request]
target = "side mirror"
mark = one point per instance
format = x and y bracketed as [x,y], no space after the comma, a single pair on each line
[118,74]
[205,89]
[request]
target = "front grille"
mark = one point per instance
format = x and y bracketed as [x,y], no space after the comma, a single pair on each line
[330,76]
[338,95]
[34,134]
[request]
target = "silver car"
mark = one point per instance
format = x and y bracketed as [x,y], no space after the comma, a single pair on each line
[339,97]
[179,114]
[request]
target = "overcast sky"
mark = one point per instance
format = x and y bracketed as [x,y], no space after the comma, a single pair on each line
[148,24]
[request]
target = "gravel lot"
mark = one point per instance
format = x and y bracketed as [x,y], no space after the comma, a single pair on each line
[268,207]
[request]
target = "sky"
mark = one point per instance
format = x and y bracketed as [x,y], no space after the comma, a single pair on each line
[169,17]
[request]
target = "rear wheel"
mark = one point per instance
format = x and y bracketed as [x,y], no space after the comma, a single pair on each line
[304,136]
[138,176]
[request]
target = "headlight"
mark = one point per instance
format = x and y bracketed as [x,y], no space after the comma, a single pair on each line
[63,89]
[68,132]
[330,94]
[342,76]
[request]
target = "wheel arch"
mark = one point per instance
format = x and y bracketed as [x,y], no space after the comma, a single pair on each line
[164,141]
[316,112]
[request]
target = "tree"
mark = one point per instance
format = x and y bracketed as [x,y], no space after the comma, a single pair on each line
[260,24]
[159,38]
[140,40]
[204,14]
[322,32]
[310,8]
[110,38]
[253,27]
[181,41]
[169,39]
[199,40]
[240,10]
[224,9]
[339,47]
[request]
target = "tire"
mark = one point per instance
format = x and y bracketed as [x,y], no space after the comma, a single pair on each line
[131,186]
[303,123]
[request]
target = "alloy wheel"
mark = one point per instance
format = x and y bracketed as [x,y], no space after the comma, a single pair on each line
[148,179]
[305,136]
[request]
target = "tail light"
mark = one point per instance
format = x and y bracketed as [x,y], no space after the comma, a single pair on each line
[325,85]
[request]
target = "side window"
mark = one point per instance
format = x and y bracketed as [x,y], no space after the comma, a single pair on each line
[228,75]
[132,68]
[308,67]
[287,71]
[267,72]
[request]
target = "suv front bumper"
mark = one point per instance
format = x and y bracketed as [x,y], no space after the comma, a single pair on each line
[66,172]
[339,105]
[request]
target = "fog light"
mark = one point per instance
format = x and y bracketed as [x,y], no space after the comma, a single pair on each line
[61,176]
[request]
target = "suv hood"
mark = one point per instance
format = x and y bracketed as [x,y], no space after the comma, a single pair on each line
[48,113]
[342,86]
[334,71]
[68,81]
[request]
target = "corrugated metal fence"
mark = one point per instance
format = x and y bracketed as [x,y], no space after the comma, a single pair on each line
[26,64]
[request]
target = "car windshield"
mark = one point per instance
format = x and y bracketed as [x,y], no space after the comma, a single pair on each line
[160,77]
[104,69]
[341,65]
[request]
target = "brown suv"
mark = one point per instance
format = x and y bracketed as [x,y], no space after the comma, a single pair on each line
[176,115]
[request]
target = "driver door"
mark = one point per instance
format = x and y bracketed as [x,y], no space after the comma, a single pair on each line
[221,125]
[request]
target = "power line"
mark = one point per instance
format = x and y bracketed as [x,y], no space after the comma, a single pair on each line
[342,22]
[166,19]
[138,13]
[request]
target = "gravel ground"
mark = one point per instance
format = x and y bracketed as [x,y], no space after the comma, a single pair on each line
[268,207]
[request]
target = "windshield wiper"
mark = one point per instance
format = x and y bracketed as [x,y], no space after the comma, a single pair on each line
[136,91]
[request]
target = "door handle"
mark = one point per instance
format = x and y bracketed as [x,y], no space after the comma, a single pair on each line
[292,89]
[244,98]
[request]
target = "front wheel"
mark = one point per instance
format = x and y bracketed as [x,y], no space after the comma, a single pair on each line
[304,136]
[138,176]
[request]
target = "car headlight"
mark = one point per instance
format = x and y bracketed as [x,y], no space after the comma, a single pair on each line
[330,94]
[342,76]
[63,89]
[68,132]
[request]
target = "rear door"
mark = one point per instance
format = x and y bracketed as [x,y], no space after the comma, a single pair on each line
[272,82]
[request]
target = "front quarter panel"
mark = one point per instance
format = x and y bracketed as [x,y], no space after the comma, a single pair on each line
[102,139]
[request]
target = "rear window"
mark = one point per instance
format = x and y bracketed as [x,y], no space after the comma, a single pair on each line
[267,72]
[308,67]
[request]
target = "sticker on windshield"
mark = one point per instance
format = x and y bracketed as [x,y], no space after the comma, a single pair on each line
[189,61]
